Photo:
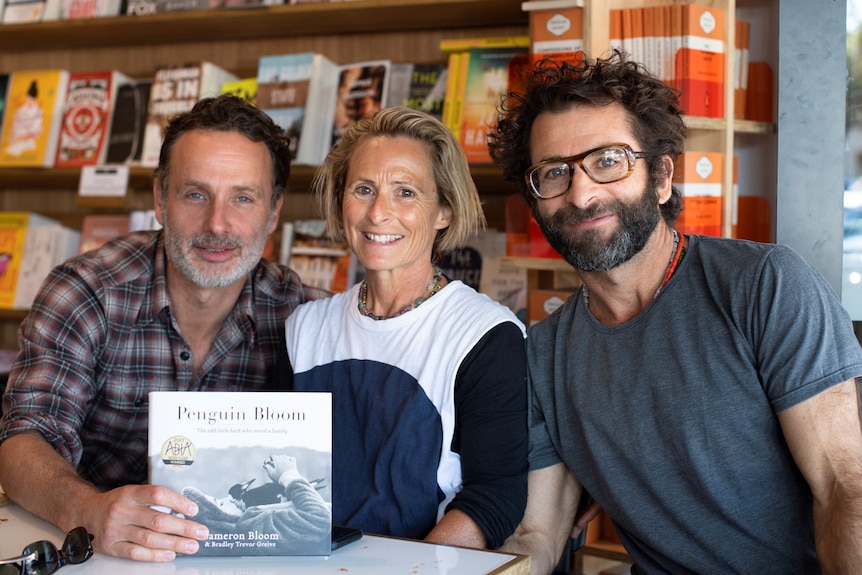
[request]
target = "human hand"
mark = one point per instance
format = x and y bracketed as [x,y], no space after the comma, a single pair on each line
[125,524]
[281,469]
[588,515]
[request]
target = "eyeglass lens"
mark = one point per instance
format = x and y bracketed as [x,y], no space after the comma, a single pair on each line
[76,548]
[603,166]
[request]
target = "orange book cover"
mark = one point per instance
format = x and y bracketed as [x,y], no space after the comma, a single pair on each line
[667,42]
[628,31]
[698,177]
[487,80]
[700,61]
[615,39]
[639,36]
[675,12]
[31,127]
[556,33]
[759,98]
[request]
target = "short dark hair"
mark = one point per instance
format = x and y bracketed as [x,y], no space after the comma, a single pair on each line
[228,113]
[552,86]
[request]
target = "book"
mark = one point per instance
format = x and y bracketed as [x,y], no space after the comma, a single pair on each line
[31,245]
[479,264]
[176,89]
[96,229]
[320,261]
[741,58]
[4,86]
[126,134]
[699,62]
[556,29]
[21,11]
[83,9]
[488,78]
[362,89]
[543,302]
[245,88]
[216,448]
[87,116]
[146,7]
[697,175]
[418,86]
[298,92]
[31,127]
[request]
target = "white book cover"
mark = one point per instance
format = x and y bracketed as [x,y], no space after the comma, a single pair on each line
[258,464]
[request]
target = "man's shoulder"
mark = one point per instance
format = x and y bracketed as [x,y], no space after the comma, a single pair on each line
[119,260]
[279,282]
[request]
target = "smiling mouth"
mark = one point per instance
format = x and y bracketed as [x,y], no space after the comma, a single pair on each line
[382,238]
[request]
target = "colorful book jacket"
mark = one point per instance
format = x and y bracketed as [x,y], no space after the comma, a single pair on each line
[87,117]
[32,121]
[258,464]
[362,89]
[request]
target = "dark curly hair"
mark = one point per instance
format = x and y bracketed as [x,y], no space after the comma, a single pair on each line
[653,109]
[228,113]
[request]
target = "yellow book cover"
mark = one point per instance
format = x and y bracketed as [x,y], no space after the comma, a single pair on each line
[13,230]
[245,88]
[34,107]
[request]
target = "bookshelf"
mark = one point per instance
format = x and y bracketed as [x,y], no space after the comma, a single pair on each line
[401,30]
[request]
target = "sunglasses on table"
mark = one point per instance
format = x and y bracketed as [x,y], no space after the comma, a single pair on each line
[43,557]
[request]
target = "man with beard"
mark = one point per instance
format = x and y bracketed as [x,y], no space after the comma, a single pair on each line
[702,390]
[190,307]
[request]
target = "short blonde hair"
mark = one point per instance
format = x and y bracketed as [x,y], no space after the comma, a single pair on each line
[455,187]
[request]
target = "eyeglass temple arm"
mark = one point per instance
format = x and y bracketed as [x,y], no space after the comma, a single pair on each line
[28,557]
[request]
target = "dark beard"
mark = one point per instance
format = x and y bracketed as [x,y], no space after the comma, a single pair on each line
[587,251]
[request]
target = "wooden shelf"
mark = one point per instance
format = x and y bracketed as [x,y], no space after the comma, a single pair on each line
[488,179]
[607,550]
[720,124]
[366,16]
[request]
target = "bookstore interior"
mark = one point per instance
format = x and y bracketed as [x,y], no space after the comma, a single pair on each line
[86,87]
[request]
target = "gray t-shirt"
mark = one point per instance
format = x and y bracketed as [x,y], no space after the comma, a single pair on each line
[669,420]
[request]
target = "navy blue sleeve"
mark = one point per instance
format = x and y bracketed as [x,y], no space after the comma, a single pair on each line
[491,433]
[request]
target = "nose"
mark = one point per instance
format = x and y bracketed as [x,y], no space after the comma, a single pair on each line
[379,210]
[216,218]
[582,189]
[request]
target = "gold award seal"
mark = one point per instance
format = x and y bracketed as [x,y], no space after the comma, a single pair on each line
[178,452]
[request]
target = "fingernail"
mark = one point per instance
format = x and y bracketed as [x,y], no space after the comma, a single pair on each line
[202,533]
[192,547]
[193,509]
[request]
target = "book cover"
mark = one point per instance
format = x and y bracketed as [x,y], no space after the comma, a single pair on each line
[20,11]
[258,464]
[362,89]
[96,229]
[176,89]
[245,88]
[453,88]
[32,123]
[699,63]
[87,116]
[126,134]
[698,176]
[83,9]
[298,92]
[487,81]
[741,58]
[556,33]
[146,7]
[418,86]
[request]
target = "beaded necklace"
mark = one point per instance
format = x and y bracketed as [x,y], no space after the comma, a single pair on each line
[675,258]
[433,288]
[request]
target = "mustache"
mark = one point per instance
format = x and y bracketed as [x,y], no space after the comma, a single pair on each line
[570,215]
[214,241]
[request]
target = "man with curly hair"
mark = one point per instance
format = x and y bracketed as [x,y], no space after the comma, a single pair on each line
[701,389]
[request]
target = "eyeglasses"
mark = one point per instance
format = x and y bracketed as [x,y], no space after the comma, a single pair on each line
[43,558]
[603,165]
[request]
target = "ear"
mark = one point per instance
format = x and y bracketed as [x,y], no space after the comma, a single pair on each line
[158,204]
[276,214]
[444,218]
[664,187]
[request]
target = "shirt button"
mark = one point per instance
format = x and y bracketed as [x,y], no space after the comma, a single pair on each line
[185,355]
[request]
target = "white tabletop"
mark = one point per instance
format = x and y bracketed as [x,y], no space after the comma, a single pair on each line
[371,555]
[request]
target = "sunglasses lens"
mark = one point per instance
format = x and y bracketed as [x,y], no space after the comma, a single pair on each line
[47,558]
[77,547]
